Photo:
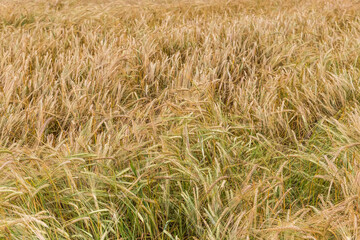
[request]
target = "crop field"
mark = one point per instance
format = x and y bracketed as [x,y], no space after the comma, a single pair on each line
[165,119]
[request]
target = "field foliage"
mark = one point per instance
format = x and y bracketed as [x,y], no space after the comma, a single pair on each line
[235,119]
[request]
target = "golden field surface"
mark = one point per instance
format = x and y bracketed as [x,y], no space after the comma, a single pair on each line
[161,119]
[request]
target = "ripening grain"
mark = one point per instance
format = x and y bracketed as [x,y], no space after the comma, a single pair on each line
[182,119]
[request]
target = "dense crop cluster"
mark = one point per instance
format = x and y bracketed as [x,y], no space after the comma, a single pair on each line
[179,119]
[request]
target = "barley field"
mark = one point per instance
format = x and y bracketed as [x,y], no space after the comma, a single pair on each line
[165,119]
